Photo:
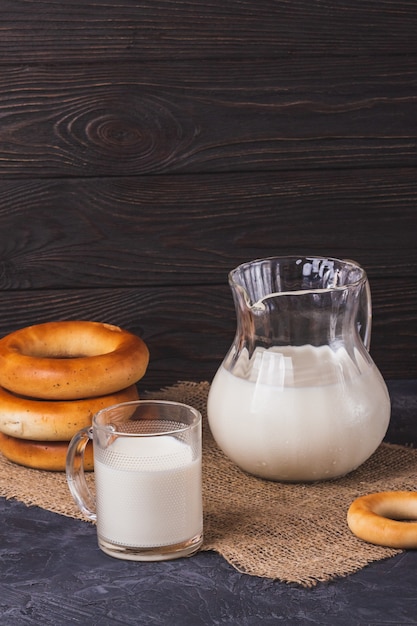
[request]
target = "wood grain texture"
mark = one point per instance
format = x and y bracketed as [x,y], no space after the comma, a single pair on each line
[165,230]
[53,31]
[147,148]
[217,116]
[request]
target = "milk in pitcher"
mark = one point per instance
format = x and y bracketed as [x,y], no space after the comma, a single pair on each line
[299,413]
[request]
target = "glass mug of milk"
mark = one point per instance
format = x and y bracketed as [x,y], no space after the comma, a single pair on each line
[147,474]
[298,396]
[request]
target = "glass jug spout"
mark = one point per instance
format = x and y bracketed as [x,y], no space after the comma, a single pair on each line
[298,396]
[299,300]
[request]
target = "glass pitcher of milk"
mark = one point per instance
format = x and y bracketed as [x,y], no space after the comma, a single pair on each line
[298,396]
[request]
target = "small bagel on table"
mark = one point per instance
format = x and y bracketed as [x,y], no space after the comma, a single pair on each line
[378,518]
[71,360]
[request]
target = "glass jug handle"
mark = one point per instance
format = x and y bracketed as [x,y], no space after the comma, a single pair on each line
[365,315]
[364,321]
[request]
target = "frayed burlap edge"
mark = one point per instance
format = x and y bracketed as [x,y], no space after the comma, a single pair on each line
[296,533]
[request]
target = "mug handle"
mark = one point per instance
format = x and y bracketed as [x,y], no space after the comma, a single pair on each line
[75,473]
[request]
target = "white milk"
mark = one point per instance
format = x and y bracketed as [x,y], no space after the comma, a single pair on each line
[148,492]
[324,422]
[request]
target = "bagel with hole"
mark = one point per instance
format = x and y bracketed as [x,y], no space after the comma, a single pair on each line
[42,455]
[378,518]
[71,360]
[53,420]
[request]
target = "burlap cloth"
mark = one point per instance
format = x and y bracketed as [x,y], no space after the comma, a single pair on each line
[292,532]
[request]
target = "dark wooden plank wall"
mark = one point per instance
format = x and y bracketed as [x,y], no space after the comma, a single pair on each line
[146,148]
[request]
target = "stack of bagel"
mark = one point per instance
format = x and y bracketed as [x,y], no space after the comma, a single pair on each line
[54,377]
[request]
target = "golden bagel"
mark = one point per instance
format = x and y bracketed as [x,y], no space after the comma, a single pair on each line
[43,455]
[376,518]
[53,420]
[71,360]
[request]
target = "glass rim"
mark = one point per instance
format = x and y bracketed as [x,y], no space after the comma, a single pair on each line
[293,258]
[183,427]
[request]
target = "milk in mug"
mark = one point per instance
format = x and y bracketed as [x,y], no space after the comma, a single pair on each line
[274,424]
[148,491]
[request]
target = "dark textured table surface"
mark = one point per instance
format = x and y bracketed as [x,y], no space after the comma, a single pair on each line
[52,573]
